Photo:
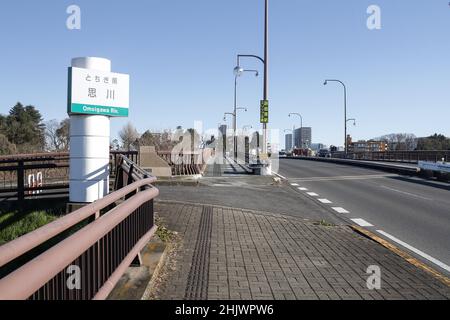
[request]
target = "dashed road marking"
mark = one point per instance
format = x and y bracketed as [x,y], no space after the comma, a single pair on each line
[340,210]
[312,194]
[416,251]
[294,184]
[302,189]
[362,222]
[326,201]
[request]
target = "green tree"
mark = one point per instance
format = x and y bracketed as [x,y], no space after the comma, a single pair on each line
[6,147]
[24,128]
[434,142]
[148,139]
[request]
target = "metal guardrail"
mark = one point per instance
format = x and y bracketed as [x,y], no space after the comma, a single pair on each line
[184,164]
[397,156]
[53,168]
[101,251]
[16,171]
[116,157]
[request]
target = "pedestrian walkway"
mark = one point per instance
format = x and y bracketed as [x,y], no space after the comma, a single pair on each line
[229,253]
[226,167]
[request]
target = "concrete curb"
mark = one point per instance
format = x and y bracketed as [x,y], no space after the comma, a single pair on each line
[437,275]
[156,272]
[178,182]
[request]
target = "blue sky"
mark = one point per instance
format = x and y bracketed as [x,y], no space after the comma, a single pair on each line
[180,55]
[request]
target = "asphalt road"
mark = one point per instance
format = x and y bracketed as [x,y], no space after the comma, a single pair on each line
[411,212]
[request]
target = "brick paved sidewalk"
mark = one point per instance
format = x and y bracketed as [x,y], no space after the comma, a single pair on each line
[227,253]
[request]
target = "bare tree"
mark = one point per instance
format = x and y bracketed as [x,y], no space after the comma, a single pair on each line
[129,137]
[400,141]
[57,135]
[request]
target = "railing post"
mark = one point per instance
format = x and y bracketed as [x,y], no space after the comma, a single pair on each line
[119,175]
[20,181]
[130,181]
[130,175]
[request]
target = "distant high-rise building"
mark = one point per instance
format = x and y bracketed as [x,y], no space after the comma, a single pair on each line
[288,141]
[223,130]
[303,137]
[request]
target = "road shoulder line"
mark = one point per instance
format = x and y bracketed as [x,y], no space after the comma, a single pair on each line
[415,262]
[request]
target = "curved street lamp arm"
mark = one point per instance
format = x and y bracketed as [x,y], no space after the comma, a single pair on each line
[239,56]
[335,80]
[298,114]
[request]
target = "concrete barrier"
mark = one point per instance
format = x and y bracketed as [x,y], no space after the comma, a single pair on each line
[435,166]
[396,168]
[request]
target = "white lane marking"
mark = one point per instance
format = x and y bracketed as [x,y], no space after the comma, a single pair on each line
[335,178]
[417,251]
[407,193]
[326,201]
[302,189]
[340,210]
[282,177]
[362,222]
[312,194]
[294,184]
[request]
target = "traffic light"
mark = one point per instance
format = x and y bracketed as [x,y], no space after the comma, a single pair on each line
[264,111]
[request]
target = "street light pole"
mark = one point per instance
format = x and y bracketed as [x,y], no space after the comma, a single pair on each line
[345,109]
[238,71]
[265,62]
[266,68]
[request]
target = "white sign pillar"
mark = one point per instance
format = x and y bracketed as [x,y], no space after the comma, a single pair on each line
[89,146]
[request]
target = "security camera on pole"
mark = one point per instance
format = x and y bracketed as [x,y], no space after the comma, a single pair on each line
[94,95]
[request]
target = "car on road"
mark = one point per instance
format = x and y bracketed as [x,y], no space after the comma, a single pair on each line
[324,153]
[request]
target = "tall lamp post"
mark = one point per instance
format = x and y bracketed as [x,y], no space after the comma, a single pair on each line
[354,124]
[238,71]
[265,62]
[345,108]
[301,128]
[234,115]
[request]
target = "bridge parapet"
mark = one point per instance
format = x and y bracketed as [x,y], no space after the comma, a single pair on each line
[87,263]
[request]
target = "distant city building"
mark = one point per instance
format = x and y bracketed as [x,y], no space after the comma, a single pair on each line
[318,146]
[288,141]
[366,146]
[223,130]
[303,137]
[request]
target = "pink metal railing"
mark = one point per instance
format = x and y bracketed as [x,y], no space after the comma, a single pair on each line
[102,250]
